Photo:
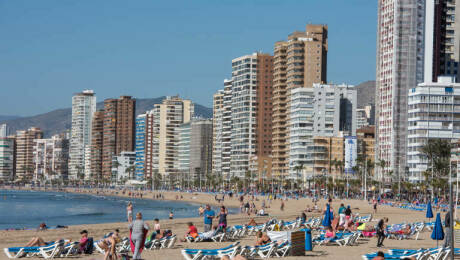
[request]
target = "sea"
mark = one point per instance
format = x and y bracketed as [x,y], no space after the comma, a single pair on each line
[27,209]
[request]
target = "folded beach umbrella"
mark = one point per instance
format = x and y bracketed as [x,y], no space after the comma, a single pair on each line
[429,211]
[327,217]
[438,232]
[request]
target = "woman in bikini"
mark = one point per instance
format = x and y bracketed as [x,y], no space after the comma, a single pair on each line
[108,244]
[262,239]
[129,212]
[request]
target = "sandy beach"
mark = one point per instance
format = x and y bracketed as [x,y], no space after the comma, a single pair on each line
[292,210]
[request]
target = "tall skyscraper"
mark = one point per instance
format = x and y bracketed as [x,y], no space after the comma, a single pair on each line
[83,108]
[195,149]
[321,111]
[298,62]
[217,142]
[25,151]
[144,145]
[126,110]
[442,39]
[118,133]
[97,136]
[251,110]
[168,116]
[400,51]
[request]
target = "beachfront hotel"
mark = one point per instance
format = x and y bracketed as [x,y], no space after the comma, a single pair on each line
[251,109]
[222,131]
[434,113]
[118,131]
[400,44]
[83,108]
[25,151]
[97,136]
[7,160]
[51,157]
[167,117]
[321,111]
[195,149]
[297,63]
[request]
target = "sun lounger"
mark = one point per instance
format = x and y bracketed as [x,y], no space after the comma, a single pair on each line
[45,251]
[283,249]
[264,251]
[196,254]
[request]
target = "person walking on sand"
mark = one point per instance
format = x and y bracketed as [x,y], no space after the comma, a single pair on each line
[380,230]
[129,212]
[282,206]
[138,229]
[208,216]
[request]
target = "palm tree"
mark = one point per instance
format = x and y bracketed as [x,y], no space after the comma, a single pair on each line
[438,154]
[298,168]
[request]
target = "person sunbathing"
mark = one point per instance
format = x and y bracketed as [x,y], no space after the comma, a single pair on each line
[108,244]
[330,234]
[262,239]
[252,223]
[36,241]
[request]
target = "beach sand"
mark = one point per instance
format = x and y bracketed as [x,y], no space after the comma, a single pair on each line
[292,210]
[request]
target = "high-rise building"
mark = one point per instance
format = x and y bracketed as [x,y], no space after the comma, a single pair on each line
[4,131]
[400,52]
[50,158]
[298,63]
[217,136]
[168,116]
[321,111]
[7,160]
[251,106]
[140,147]
[434,113]
[195,149]
[25,151]
[442,39]
[83,108]
[118,133]
[97,136]
[144,145]
[125,137]
[109,139]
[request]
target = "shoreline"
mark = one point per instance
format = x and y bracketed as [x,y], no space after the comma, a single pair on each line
[292,210]
[193,202]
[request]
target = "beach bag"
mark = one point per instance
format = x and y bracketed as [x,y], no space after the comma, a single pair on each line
[89,247]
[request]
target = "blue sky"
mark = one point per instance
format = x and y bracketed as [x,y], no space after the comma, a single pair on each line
[147,48]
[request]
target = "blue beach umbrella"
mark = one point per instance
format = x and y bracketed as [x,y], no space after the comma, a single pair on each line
[429,211]
[438,232]
[327,221]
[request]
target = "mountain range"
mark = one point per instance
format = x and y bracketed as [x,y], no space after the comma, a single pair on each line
[59,120]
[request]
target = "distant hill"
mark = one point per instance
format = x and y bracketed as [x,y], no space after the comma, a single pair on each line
[57,121]
[366,93]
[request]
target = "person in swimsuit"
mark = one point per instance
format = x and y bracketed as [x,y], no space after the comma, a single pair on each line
[222,216]
[262,239]
[36,241]
[129,212]
[108,244]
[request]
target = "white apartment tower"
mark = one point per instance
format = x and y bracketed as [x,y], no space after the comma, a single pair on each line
[168,116]
[222,131]
[244,104]
[83,108]
[400,51]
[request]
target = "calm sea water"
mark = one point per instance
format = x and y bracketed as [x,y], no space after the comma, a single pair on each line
[27,209]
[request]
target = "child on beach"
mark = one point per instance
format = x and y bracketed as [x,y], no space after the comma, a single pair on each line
[156,226]
[171,215]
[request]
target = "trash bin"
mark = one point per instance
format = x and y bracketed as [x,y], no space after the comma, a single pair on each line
[308,244]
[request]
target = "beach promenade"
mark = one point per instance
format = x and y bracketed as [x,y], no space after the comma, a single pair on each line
[292,209]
